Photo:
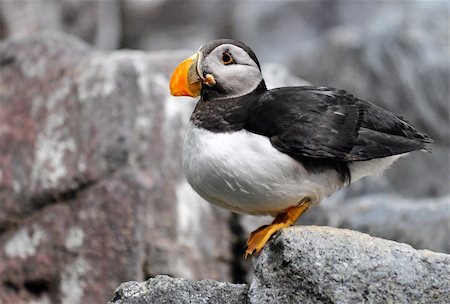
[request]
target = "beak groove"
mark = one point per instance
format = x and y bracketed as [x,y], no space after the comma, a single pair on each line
[185,80]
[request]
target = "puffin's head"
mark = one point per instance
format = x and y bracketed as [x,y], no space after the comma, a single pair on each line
[221,68]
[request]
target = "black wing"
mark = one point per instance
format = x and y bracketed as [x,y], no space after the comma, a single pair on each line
[323,124]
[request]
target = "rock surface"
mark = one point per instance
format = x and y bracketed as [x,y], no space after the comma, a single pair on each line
[327,265]
[164,289]
[317,265]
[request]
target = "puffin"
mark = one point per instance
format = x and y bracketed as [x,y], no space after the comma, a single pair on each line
[280,151]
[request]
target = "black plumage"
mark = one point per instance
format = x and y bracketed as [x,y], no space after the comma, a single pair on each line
[321,122]
[323,128]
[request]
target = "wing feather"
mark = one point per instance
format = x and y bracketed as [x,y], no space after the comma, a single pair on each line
[325,123]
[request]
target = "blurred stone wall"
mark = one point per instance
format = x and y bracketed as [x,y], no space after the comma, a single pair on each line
[400,61]
[91,189]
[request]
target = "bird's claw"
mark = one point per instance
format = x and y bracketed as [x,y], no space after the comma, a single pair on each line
[259,238]
[262,235]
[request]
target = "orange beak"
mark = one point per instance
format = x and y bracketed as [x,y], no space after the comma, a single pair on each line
[185,80]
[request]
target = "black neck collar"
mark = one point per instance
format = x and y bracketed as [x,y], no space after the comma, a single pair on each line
[225,114]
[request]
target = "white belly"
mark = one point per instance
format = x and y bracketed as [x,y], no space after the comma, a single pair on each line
[242,171]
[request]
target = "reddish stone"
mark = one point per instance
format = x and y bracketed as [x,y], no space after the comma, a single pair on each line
[91,188]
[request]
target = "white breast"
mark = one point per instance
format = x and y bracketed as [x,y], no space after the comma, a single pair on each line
[243,172]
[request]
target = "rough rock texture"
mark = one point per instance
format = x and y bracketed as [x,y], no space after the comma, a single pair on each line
[317,265]
[164,289]
[67,252]
[327,265]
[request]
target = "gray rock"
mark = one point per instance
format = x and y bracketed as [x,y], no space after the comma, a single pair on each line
[315,265]
[96,22]
[421,223]
[30,17]
[164,289]
[328,265]
[276,75]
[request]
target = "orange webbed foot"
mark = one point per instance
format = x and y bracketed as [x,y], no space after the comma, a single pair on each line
[263,234]
[259,238]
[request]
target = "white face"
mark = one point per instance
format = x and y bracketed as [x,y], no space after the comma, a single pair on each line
[233,69]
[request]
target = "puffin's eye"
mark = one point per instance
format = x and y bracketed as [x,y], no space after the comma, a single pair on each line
[226,58]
